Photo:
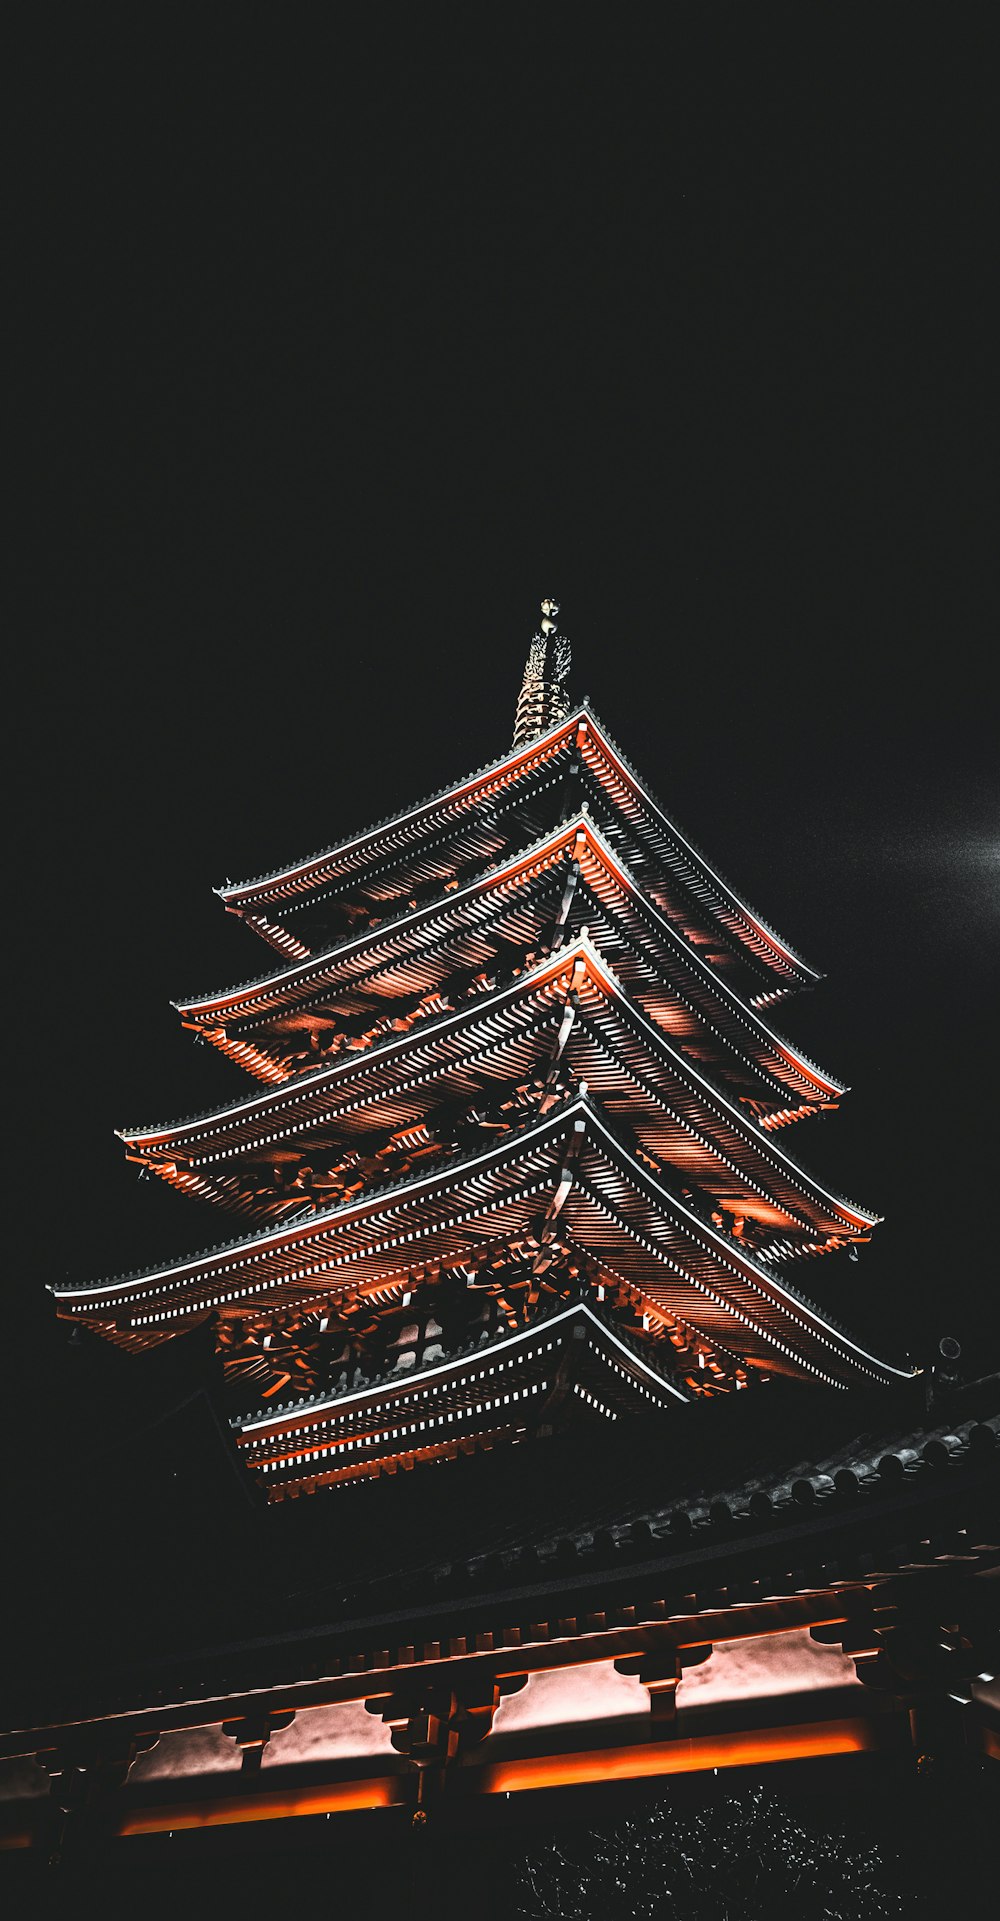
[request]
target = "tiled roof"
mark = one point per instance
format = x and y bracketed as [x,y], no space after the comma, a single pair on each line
[613,1203]
[473,907]
[295,1106]
[892,1497]
[692,866]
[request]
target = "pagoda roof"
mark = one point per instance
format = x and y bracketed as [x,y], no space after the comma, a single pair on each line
[678,1110]
[569,1166]
[639,940]
[581,731]
[493,1386]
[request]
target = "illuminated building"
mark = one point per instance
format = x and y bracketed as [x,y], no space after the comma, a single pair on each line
[517,1209]
[521,1153]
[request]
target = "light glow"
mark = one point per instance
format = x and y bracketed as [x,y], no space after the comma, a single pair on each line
[343,1798]
[679,1756]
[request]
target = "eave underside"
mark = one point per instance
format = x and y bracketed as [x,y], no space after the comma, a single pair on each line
[376,1114]
[570,1170]
[567,1367]
[459,945]
[463,824]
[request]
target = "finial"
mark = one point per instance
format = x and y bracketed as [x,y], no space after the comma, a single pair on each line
[543,700]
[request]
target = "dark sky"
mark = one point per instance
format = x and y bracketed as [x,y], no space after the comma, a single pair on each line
[342,352]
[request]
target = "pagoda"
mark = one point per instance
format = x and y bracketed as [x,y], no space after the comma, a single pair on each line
[517,1158]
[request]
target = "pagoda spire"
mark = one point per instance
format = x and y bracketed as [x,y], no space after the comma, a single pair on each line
[543,700]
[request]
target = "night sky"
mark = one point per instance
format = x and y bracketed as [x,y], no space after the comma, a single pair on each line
[343,352]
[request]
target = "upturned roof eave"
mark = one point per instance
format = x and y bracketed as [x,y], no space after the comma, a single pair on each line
[219,998]
[581,950]
[264,888]
[284,1234]
[224,1003]
[262,1420]
[577,1115]
[261,886]
[670,826]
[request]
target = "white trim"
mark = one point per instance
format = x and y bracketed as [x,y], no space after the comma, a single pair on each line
[759,926]
[404,1385]
[732,1252]
[732,1255]
[371,937]
[468,785]
[569,831]
[555,964]
[355,1210]
[265,883]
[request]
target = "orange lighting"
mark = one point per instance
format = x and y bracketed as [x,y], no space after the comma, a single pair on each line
[277,1806]
[681,1756]
[675,1756]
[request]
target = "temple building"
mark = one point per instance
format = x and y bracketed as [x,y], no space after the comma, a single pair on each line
[521,1154]
[516,1221]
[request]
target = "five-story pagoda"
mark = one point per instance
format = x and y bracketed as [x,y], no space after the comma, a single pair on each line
[518,1158]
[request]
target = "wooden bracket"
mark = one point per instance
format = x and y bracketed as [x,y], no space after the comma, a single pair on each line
[253,1732]
[661,1674]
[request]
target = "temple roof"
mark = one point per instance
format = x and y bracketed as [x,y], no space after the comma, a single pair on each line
[777,1476]
[677,1109]
[513,904]
[496,1387]
[649,1364]
[582,732]
[769,1509]
[569,1166]
[764,1489]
